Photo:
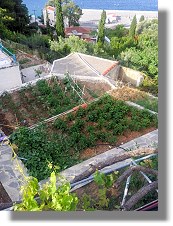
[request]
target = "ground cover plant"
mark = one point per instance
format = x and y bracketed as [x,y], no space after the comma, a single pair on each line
[63,143]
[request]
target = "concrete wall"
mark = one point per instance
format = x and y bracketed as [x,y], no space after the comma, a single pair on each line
[10,77]
[129,75]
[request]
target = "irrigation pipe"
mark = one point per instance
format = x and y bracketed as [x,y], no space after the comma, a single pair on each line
[90,178]
[9,206]
[126,190]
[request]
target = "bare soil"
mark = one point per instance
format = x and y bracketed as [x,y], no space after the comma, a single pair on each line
[99,88]
[4,124]
[121,139]
[4,197]
[28,60]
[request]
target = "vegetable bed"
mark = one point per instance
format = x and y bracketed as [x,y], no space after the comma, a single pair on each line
[59,145]
[47,98]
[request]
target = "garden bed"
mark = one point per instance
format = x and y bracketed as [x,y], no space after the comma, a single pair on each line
[32,104]
[80,135]
[139,97]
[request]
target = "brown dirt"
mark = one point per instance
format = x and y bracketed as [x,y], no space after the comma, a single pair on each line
[4,125]
[4,197]
[92,191]
[122,139]
[28,60]
[127,94]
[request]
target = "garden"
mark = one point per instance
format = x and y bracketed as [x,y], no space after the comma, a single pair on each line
[34,103]
[80,135]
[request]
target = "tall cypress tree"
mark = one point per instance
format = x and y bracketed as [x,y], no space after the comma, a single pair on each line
[59,19]
[142,18]
[132,29]
[101,29]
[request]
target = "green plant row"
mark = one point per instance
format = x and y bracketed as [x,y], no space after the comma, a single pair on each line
[45,99]
[60,144]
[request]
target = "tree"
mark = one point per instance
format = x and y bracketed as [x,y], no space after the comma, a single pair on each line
[3,19]
[17,10]
[69,45]
[120,44]
[142,18]
[133,27]
[51,3]
[101,29]
[147,25]
[59,19]
[72,12]
[120,31]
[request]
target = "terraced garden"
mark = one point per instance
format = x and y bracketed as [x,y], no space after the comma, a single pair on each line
[88,131]
[34,103]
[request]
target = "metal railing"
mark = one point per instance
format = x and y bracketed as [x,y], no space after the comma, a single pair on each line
[7,52]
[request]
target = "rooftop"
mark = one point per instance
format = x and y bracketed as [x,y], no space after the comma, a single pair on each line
[82,65]
[78,30]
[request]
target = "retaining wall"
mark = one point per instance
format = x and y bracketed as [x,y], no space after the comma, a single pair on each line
[129,75]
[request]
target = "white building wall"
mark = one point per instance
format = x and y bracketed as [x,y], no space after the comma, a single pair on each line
[10,78]
[51,16]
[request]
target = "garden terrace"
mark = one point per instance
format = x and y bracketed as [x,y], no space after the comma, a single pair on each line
[139,97]
[80,135]
[34,103]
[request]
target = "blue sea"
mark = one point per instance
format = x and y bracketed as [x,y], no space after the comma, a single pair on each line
[138,5]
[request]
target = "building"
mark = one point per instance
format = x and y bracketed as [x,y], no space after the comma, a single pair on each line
[49,12]
[81,32]
[85,67]
[10,76]
[112,18]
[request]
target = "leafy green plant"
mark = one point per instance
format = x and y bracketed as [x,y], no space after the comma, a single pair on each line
[49,196]
[104,182]
[62,142]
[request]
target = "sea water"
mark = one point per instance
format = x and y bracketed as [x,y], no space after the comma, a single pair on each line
[137,5]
